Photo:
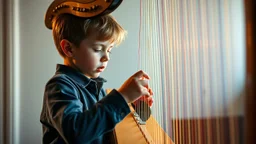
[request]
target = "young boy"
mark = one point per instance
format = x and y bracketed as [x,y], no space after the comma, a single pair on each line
[76,108]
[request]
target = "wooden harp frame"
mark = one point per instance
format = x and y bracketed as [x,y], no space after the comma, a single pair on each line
[80,8]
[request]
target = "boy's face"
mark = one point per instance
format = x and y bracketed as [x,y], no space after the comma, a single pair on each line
[92,56]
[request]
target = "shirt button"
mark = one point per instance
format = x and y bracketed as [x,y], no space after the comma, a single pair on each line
[122,114]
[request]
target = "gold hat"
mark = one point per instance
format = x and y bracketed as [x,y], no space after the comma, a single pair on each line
[81,8]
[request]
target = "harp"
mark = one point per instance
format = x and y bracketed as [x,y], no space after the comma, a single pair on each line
[195,57]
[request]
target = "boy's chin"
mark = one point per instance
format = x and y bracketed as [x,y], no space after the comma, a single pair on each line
[94,75]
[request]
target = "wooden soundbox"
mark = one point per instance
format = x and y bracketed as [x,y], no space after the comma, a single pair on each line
[131,130]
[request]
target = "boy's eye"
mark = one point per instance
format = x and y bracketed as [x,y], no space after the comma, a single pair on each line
[97,50]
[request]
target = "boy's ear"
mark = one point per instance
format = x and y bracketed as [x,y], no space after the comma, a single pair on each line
[66,47]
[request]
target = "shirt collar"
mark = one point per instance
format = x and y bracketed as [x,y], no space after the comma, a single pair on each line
[77,76]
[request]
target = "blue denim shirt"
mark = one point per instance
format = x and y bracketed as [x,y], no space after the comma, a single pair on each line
[76,109]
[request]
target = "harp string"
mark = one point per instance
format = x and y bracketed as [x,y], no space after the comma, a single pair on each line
[187,48]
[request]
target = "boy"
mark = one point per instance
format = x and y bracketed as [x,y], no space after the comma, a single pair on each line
[75,107]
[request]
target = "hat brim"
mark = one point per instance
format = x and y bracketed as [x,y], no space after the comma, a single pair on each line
[80,8]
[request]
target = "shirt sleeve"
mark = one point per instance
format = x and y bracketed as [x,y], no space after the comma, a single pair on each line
[73,123]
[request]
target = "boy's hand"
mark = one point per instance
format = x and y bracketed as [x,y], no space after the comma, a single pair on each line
[148,99]
[135,87]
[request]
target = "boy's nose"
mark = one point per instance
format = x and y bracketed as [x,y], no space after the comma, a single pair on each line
[105,58]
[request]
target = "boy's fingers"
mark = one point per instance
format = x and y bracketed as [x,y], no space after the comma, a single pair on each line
[150,98]
[151,102]
[144,83]
[141,74]
[145,92]
[147,99]
[150,91]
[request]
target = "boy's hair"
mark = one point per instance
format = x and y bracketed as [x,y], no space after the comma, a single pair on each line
[75,29]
